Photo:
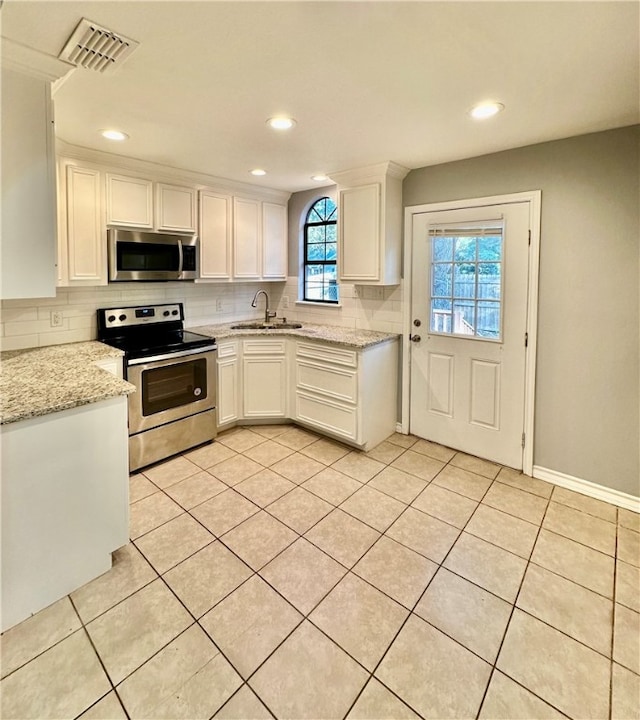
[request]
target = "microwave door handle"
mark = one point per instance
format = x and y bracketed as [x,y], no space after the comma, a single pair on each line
[180,258]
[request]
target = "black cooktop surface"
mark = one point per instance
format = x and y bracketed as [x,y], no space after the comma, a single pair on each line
[146,344]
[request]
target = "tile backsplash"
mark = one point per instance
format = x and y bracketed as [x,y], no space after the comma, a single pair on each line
[28,322]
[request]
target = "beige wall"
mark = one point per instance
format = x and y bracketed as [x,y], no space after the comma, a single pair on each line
[587,392]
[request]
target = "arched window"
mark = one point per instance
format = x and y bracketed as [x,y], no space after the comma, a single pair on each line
[320,252]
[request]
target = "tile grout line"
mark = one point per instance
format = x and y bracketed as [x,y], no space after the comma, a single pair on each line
[349,570]
[412,613]
[102,665]
[506,629]
[613,618]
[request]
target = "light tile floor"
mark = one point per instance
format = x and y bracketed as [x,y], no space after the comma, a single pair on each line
[276,573]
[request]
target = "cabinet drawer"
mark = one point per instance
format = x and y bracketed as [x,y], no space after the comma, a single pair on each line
[336,382]
[328,354]
[263,347]
[338,419]
[227,349]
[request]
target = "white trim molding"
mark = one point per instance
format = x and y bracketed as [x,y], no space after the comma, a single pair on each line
[30,61]
[586,487]
[534,198]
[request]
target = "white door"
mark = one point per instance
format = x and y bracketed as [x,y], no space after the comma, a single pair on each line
[469,320]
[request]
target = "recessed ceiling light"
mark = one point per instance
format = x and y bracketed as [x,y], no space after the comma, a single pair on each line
[281,123]
[114,135]
[258,171]
[485,110]
[319,178]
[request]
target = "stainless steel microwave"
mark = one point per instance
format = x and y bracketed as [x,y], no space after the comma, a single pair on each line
[138,255]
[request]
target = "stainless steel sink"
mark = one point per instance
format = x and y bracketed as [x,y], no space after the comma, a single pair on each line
[266,326]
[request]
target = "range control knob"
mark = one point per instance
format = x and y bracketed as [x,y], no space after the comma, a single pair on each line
[122,318]
[166,313]
[174,312]
[111,318]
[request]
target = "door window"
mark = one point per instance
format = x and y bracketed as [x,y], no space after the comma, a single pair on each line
[467,280]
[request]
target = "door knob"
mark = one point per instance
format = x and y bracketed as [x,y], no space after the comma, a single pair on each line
[415,338]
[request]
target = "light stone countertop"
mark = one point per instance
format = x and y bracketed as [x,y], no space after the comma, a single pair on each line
[348,337]
[43,380]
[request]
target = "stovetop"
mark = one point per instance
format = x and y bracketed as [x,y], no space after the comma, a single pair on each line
[148,330]
[147,345]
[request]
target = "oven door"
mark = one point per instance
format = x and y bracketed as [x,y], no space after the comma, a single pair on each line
[169,388]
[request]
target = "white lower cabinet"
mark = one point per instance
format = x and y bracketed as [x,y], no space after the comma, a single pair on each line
[65,503]
[327,389]
[264,379]
[348,394]
[228,383]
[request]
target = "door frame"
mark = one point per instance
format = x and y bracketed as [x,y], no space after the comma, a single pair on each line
[533,197]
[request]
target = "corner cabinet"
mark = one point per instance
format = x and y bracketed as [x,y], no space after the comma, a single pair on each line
[348,394]
[370,224]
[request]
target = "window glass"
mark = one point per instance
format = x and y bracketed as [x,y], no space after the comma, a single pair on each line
[320,252]
[466,281]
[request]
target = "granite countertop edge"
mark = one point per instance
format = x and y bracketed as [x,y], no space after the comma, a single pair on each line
[333,334]
[39,381]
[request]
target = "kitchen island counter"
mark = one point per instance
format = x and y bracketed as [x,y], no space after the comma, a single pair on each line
[43,380]
[334,334]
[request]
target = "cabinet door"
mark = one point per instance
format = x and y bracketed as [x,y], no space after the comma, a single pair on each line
[28,248]
[129,201]
[359,233]
[227,400]
[264,386]
[175,208]
[274,241]
[215,235]
[246,239]
[86,244]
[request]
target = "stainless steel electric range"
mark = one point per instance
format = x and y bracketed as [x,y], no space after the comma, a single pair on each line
[173,371]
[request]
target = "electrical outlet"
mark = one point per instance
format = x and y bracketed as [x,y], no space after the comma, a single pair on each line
[285,301]
[56,318]
[218,305]
[356,291]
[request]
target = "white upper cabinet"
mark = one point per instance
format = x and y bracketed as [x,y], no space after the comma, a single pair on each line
[129,201]
[242,237]
[82,246]
[215,227]
[370,224]
[274,241]
[175,208]
[28,251]
[247,239]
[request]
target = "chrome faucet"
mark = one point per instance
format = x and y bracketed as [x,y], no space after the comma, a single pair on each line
[267,313]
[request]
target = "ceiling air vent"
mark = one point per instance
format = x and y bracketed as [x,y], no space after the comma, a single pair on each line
[97,48]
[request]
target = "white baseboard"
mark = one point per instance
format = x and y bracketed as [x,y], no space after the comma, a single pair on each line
[586,487]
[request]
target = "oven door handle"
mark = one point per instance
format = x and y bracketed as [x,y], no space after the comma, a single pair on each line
[171,355]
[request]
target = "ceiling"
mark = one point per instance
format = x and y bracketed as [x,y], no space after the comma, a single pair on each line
[366,81]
